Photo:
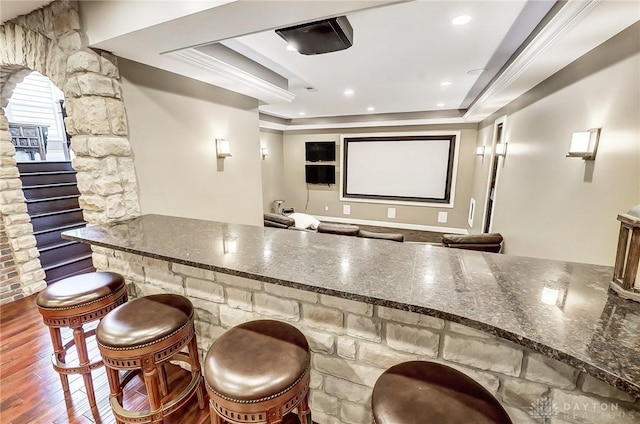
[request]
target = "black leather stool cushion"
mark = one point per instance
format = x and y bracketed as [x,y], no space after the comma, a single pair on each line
[422,392]
[255,360]
[80,289]
[144,320]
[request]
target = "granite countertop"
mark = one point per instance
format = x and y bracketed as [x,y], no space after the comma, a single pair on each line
[561,309]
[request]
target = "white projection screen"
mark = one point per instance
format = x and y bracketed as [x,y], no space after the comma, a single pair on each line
[398,168]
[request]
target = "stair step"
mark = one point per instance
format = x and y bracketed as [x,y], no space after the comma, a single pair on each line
[52,235]
[44,191]
[50,177]
[82,271]
[55,219]
[65,268]
[38,206]
[47,166]
[52,254]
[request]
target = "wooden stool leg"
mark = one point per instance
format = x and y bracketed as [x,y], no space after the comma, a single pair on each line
[83,356]
[195,366]
[162,373]
[58,350]
[304,412]
[115,390]
[152,383]
[215,418]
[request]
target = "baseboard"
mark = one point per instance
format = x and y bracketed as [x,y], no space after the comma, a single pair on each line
[401,225]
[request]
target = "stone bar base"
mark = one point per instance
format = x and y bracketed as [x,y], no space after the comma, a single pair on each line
[354,342]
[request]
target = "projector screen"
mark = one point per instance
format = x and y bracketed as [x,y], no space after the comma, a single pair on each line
[398,168]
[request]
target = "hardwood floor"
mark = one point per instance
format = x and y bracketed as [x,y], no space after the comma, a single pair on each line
[30,390]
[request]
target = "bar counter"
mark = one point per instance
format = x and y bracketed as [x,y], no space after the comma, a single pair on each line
[560,309]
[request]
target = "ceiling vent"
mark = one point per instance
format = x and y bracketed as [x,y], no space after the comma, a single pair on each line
[328,35]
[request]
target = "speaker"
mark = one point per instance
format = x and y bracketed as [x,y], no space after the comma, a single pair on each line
[325,36]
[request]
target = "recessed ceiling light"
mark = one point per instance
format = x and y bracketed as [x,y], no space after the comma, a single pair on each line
[371,109]
[461,20]
[476,71]
[301,113]
[440,104]
[445,83]
[291,48]
[348,92]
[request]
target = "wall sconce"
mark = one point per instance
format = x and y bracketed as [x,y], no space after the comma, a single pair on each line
[480,150]
[264,152]
[501,149]
[223,149]
[584,144]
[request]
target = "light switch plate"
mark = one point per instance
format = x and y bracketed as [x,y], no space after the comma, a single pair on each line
[442,217]
[391,212]
[346,209]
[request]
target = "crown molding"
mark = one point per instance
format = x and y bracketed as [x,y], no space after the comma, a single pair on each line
[360,124]
[566,18]
[233,78]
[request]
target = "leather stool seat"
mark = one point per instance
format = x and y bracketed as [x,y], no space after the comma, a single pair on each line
[140,337]
[73,302]
[146,320]
[258,370]
[80,289]
[420,392]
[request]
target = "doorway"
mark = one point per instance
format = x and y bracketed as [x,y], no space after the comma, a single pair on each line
[36,120]
[498,137]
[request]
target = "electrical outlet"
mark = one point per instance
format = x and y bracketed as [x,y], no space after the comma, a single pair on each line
[346,209]
[442,217]
[326,208]
[391,212]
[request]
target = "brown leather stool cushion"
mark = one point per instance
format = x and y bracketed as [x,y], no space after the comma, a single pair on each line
[256,360]
[341,229]
[80,289]
[382,236]
[421,392]
[144,320]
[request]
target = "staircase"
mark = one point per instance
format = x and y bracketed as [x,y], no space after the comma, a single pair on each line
[52,202]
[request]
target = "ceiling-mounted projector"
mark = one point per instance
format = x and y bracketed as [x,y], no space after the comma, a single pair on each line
[325,36]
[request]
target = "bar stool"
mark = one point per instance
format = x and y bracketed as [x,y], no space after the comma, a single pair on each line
[140,337]
[71,303]
[257,372]
[420,392]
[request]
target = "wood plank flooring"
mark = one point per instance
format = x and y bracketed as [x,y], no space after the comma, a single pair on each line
[30,390]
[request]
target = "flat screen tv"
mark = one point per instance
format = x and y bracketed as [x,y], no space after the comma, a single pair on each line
[320,151]
[320,174]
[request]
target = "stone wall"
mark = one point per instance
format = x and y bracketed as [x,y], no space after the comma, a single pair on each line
[51,41]
[21,265]
[352,343]
[9,282]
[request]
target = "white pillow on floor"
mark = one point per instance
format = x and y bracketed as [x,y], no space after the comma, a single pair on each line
[305,221]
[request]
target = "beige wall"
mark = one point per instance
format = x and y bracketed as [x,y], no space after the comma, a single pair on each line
[550,206]
[173,122]
[272,168]
[321,197]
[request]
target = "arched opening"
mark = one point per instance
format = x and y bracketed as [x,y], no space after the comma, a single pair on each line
[35,114]
[50,41]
